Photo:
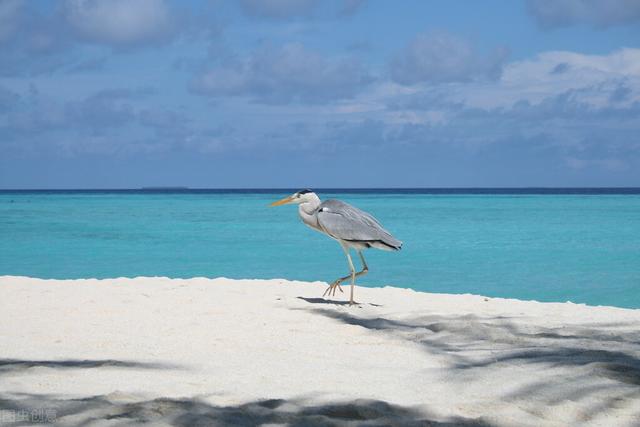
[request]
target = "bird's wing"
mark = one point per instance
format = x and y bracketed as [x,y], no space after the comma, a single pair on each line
[343,221]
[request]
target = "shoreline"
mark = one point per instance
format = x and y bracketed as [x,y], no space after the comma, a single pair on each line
[162,350]
[281,280]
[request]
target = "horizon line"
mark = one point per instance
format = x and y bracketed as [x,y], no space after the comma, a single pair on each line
[184,188]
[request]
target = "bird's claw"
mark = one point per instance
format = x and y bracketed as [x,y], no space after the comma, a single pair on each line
[331,290]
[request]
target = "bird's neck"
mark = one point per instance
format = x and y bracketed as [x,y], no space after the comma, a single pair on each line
[307,211]
[310,205]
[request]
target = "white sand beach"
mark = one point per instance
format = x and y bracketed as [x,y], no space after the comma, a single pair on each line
[249,352]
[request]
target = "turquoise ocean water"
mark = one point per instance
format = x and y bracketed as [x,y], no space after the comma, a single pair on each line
[549,247]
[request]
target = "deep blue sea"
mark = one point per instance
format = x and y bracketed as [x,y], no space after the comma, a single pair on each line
[580,245]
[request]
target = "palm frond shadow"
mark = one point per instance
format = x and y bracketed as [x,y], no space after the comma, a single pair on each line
[195,412]
[573,363]
[17,365]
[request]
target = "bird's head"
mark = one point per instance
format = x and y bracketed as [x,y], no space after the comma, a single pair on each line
[302,196]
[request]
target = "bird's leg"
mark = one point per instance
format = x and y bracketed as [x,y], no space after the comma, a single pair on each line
[353,278]
[365,268]
[331,290]
[362,272]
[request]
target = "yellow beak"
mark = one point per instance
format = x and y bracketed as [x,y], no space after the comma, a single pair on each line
[284,201]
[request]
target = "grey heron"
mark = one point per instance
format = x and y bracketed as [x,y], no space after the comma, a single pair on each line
[351,227]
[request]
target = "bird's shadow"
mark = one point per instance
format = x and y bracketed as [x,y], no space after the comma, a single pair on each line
[334,302]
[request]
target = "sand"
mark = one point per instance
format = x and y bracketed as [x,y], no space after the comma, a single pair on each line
[247,352]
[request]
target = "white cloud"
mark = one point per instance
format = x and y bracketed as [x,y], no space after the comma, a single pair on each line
[291,73]
[442,57]
[9,17]
[350,7]
[593,79]
[597,13]
[278,9]
[538,78]
[574,105]
[585,68]
[121,22]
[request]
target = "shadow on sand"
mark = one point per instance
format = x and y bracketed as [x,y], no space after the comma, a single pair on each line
[323,301]
[571,363]
[595,367]
[195,412]
[334,302]
[16,365]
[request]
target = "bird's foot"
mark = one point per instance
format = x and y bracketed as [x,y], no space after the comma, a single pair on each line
[331,290]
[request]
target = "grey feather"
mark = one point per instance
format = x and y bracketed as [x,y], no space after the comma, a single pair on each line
[345,222]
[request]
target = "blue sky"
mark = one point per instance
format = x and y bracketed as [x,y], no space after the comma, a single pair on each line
[314,93]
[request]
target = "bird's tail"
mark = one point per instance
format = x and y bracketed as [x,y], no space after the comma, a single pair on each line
[389,243]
